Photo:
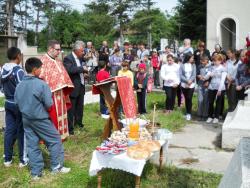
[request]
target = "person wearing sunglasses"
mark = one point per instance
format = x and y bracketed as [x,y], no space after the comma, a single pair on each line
[55,75]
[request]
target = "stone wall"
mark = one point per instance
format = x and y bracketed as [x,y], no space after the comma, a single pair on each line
[237,174]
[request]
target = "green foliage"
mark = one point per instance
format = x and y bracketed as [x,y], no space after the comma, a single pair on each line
[161,26]
[191,15]
[68,26]
[30,37]
[67,37]
[99,23]
[120,11]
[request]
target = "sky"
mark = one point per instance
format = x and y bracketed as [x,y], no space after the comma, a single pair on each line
[162,4]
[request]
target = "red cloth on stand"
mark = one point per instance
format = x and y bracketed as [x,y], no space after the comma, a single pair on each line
[126,93]
[127,96]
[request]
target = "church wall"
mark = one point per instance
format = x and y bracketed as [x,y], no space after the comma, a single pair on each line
[217,10]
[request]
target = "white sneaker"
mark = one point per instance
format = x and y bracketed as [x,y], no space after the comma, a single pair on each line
[7,163]
[36,178]
[215,120]
[209,120]
[104,116]
[21,165]
[63,170]
[188,117]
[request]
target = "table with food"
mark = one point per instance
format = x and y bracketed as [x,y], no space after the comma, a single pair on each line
[129,149]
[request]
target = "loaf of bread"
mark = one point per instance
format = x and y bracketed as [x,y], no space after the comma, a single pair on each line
[138,152]
[151,145]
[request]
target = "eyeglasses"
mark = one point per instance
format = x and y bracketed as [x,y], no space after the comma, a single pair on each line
[59,49]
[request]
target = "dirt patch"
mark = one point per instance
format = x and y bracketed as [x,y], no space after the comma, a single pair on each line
[189,161]
[218,140]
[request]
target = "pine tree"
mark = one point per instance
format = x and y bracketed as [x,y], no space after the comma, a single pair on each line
[192,19]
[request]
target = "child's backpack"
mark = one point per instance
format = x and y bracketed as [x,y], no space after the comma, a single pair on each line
[149,83]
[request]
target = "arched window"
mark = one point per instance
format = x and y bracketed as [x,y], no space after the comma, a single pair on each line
[228,33]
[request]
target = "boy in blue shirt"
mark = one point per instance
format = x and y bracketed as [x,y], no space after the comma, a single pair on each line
[11,76]
[34,99]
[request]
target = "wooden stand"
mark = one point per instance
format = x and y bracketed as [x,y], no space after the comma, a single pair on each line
[137,181]
[113,106]
[99,179]
[161,158]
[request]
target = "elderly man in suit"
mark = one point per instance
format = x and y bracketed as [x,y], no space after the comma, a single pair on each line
[76,69]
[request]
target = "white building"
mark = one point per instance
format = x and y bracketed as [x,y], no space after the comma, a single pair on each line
[228,23]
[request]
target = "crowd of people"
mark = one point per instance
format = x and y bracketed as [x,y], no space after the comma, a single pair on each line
[46,101]
[181,73]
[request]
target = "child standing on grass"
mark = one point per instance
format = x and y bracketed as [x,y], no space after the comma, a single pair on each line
[140,85]
[156,64]
[126,72]
[12,74]
[216,88]
[100,76]
[179,94]
[203,70]
[170,73]
[34,99]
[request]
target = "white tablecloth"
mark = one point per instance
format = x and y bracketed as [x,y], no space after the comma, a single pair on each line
[121,162]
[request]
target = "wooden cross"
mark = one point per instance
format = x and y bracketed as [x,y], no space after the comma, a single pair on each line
[113,105]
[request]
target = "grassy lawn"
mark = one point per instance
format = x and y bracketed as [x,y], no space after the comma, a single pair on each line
[78,152]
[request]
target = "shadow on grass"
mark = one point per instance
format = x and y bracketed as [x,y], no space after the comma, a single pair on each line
[151,177]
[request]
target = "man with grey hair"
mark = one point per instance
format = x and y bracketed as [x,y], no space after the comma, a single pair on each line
[76,69]
[186,48]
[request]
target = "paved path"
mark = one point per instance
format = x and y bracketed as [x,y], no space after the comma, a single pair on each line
[197,146]
[89,98]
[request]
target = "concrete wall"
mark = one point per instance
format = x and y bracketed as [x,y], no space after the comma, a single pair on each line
[217,10]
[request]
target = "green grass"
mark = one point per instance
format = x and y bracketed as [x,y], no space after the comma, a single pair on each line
[1,101]
[173,122]
[78,153]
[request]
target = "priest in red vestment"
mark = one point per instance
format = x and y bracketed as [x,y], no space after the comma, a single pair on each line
[55,75]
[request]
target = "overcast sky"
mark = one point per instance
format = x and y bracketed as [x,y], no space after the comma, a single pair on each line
[162,4]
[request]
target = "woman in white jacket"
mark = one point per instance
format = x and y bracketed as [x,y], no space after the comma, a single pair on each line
[216,88]
[170,73]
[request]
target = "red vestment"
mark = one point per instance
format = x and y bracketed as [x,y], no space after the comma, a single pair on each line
[55,75]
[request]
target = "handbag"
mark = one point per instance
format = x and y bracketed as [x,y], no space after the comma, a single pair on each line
[150,85]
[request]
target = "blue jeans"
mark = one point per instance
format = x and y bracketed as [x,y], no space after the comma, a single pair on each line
[202,101]
[36,130]
[103,106]
[13,131]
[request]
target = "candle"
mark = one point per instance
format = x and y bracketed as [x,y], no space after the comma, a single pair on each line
[153,126]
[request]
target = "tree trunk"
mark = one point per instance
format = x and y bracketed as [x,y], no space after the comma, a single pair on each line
[10,15]
[22,15]
[26,15]
[121,34]
[37,23]
[149,27]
